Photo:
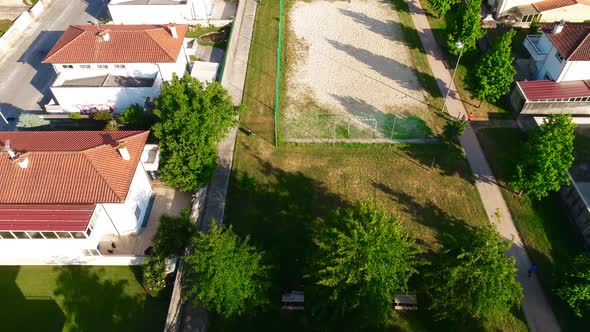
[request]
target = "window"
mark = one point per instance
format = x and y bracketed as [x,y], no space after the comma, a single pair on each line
[85,66]
[20,235]
[137,212]
[78,235]
[67,66]
[49,235]
[530,18]
[102,66]
[35,235]
[6,235]
[119,66]
[559,57]
[90,226]
[90,252]
[548,76]
[63,235]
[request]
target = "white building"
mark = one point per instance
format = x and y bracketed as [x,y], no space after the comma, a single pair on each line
[159,11]
[62,192]
[561,71]
[114,66]
[524,11]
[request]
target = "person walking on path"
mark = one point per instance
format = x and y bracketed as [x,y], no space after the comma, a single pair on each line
[532,269]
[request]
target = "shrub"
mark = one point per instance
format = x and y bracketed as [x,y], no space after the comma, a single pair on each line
[154,273]
[27,120]
[111,125]
[535,28]
[75,116]
[454,128]
[135,116]
[101,116]
[174,234]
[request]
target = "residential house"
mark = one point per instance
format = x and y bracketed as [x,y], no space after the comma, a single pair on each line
[525,11]
[159,11]
[64,192]
[560,62]
[113,66]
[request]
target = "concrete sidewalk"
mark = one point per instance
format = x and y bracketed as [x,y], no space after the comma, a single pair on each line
[535,305]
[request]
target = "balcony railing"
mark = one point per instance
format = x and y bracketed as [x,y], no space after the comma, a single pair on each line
[530,43]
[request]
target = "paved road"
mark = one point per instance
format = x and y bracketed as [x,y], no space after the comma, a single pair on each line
[535,305]
[25,81]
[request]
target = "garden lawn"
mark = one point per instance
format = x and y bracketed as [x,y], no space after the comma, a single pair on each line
[480,109]
[550,240]
[75,298]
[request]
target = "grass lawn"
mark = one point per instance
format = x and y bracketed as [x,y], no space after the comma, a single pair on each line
[62,298]
[4,26]
[196,31]
[481,109]
[549,238]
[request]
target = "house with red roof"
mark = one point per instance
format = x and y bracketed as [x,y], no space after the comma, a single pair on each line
[523,12]
[64,192]
[109,67]
[560,63]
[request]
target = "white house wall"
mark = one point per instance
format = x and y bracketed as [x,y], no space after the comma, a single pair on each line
[178,68]
[74,99]
[550,66]
[574,13]
[131,69]
[122,215]
[122,13]
[575,71]
[503,6]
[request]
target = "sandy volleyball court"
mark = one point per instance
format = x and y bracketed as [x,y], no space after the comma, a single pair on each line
[350,59]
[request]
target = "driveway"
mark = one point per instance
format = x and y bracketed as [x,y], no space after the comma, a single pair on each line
[25,81]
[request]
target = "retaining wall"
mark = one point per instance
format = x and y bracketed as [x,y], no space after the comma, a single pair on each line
[20,25]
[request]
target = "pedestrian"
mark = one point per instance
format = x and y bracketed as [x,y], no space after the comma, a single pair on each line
[470,116]
[532,269]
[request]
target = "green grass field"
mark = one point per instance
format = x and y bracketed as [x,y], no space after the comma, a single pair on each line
[550,240]
[62,298]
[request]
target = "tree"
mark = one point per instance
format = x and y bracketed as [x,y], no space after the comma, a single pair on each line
[476,279]
[154,273]
[575,287]
[226,273]
[174,234]
[454,128]
[464,25]
[494,71]
[363,259]
[135,117]
[441,7]
[547,157]
[192,117]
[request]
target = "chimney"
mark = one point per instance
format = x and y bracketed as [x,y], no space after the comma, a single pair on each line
[7,148]
[122,147]
[105,35]
[557,28]
[23,162]
[173,32]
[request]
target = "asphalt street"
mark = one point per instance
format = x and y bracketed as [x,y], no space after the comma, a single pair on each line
[25,81]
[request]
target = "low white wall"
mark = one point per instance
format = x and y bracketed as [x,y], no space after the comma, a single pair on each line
[83,260]
[157,14]
[72,99]
[15,32]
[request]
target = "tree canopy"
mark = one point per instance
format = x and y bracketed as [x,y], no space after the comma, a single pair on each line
[441,7]
[226,273]
[476,279]
[363,259]
[494,71]
[192,117]
[464,25]
[547,157]
[575,287]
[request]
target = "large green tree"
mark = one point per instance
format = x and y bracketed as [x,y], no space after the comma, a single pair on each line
[363,259]
[441,7]
[476,279]
[464,25]
[192,117]
[226,273]
[575,287]
[494,71]
[547,157]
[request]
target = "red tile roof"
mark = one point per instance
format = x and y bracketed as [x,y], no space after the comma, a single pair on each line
[126,44]
[69,167]
[66,218]
[553,4]
[573,42]
[541,90]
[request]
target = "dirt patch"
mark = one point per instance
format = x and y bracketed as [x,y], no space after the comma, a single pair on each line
[352,70]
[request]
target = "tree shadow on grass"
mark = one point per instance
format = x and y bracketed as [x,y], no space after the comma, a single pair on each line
[26,313]
[96,304]
[446,157]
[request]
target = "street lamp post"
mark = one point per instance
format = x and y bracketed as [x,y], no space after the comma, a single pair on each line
[460,47]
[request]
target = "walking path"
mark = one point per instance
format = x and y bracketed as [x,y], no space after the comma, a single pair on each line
[535,305]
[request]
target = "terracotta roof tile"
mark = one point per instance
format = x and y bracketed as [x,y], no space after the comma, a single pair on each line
[552,4]
[69,167]
[573,42]
[126,44]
